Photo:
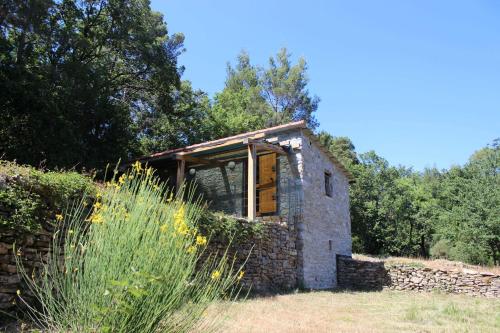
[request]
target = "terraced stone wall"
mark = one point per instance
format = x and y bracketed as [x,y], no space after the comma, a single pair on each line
[369,275]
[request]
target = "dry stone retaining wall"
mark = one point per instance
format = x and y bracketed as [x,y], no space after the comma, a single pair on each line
[272,257]
[271,265]
[368,275]
[32,249]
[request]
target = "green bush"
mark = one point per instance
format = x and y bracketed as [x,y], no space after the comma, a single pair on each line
[470,253]
[228,228]
[131,264]
[441,250]
[30,197]
[460,251]
[357,244]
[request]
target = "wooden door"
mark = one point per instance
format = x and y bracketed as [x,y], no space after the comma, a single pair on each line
[267,183]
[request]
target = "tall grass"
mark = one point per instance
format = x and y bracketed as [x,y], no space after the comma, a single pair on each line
[129,263]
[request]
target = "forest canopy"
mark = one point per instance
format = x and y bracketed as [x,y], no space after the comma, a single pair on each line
[85,83]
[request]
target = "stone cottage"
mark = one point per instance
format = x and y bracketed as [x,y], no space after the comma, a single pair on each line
[282,176]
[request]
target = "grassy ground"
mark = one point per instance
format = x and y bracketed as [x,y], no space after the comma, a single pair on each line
[386,311]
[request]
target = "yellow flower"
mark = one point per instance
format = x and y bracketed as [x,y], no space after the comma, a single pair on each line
[96,218]
[121,180]
[18,292]
[201,240]
[149,171]
[115,185]
[97,205]
[179,221]
[183,229]
[164,228]
[191,249]
[59,217]
[180,214]
[240,276]
[215,275]
[137,166]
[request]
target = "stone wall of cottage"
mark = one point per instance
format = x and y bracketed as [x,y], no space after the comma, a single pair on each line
[32,250]
[368,275]
[271,259]
[326,228]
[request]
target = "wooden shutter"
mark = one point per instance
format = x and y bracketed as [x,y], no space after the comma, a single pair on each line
[267,183]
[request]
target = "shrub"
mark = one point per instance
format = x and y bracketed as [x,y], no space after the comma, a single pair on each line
[229,228]
[30,198]
[470,252]
[357,244]
[460,251]
[441,250]
[130,263]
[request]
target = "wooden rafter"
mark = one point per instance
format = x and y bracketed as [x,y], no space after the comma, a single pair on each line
[222,144]
[270,147]
[259,145]
[198,160]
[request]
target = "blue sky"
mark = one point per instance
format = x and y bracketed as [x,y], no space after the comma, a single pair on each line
[416,81]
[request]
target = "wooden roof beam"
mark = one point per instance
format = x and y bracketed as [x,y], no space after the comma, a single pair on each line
[259,145]
[197,160]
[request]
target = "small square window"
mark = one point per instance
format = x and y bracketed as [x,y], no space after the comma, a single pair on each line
[328,184]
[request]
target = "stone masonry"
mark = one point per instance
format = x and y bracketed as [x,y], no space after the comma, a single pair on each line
[369,275]
[33,250]
[325,231]
[271,260]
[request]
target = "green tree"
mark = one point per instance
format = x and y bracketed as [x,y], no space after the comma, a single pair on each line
[391,208]
[342,147]
[285,90]
[79,80]
[188,123]
[470,216]
[369,202]
[254,97]
[418,189]
[239,107]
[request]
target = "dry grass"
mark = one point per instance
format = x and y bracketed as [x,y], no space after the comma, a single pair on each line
[386,311]
[433,263]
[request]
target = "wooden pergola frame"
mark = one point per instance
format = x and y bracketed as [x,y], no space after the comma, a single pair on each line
[252,145]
